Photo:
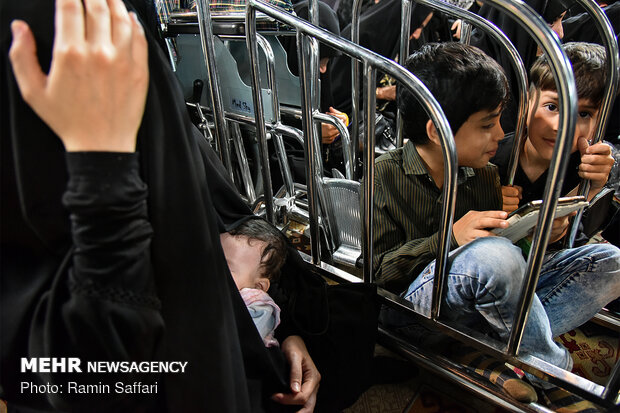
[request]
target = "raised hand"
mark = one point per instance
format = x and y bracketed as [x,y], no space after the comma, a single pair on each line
[93,97]
[511,196]
[596,163]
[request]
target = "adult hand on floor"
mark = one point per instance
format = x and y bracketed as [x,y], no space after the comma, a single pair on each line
[305,377]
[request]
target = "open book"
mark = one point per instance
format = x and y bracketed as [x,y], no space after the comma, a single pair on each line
[524,219]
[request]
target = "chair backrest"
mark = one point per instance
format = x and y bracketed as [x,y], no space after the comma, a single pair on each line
[236,95]
[343,204]
[288,84]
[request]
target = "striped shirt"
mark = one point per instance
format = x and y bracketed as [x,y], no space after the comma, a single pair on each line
[407,210]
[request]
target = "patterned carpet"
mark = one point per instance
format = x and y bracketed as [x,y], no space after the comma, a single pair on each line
[594,351]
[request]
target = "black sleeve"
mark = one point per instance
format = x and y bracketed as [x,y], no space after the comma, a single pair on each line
[106,199]
[106,309]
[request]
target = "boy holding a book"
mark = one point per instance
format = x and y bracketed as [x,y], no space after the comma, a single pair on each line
[485,272]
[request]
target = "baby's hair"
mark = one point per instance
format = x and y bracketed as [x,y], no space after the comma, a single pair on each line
[275,252]
[589,68]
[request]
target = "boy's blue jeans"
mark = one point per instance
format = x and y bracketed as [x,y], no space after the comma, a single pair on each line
[484,282]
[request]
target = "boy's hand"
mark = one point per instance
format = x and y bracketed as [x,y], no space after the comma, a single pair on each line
[511,196]
[596,162]
[305,377]
[93,97]
[476,224]
[560,227]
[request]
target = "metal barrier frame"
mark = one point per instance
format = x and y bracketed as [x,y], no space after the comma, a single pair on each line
[563,75]
[567,106]
[515,59]
[222,135]
[468,18]
[613,78]
[372,61]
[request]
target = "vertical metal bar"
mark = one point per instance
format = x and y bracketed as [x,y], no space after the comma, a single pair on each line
[356,85]
[370,79]
[450,166]
[563,74]
[517,65]
[208,52]
[313,12]
[272,87]
[612,386]
[287,178]
[405,30]
[246,177]
[259,116]
[309,147]
[271,76]
[348,152]
[465,32]
[315,90]
[613,74]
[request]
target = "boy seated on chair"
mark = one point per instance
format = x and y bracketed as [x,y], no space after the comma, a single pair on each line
[255,252]
[485,272]
[593,162]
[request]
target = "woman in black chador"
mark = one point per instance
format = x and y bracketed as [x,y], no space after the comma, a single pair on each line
[111,256]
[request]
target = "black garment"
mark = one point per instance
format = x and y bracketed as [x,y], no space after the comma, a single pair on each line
[327,20]
[579,28]
[523,42]
[591,221]
[345,10]
[332,153]
[387,15]
[533,190]
[46,314]
[339,326]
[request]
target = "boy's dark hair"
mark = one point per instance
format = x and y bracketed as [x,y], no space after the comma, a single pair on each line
[461,77]
[276,250]
[589,67]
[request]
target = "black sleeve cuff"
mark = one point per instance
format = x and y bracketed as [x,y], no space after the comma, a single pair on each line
[92,164]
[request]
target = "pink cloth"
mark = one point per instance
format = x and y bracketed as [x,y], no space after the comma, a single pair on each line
[265,313]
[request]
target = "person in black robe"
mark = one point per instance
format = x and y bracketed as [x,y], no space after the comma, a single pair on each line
[550,11]
[579,28]
[116,257]
[331,145]
[387,15]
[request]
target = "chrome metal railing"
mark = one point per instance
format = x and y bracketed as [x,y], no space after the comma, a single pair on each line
[610,43]
[222,136]
[371,62]
[466,17]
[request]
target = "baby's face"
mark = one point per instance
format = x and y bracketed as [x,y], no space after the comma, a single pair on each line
[244,260]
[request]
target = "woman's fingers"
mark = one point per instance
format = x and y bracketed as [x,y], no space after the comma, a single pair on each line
[98,27]
[121,23]
[69,19]
[23,55]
